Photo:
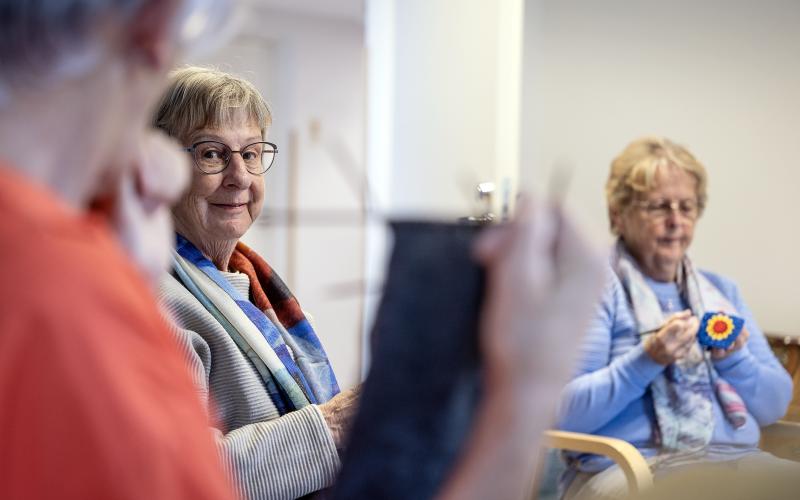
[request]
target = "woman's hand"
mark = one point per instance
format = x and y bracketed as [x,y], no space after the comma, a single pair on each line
[674,340]
[339,413]
[741,341]
[543,279]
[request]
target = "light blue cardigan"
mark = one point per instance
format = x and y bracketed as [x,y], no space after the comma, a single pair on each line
[609,395]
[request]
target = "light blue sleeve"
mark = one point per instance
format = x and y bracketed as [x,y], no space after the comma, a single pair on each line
[754,371]
[604,387]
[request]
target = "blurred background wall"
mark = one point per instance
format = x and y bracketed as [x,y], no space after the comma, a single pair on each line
[425,98]
[720,77]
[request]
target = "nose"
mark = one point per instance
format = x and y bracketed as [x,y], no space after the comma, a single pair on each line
[236,175]
[674,218]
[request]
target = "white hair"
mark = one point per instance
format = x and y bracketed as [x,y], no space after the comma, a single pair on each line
[46,41]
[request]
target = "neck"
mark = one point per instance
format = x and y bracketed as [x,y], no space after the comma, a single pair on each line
[217,251]
[48,135]
[665,275]
[666,272]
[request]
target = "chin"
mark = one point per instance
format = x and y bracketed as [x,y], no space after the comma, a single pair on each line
[230,231]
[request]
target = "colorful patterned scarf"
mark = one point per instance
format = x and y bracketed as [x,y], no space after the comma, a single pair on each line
[263,328]
[682,393]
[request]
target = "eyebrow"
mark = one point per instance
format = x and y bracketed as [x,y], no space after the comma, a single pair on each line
[679,200]
[214,137]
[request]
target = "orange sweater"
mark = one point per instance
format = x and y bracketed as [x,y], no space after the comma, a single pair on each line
[95,400]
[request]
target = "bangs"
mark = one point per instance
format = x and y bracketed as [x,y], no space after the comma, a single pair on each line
[201,98]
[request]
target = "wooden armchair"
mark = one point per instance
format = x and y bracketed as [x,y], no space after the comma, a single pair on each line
[782,439]
[624,454]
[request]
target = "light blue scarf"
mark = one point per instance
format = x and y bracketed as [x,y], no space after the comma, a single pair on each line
[682,393]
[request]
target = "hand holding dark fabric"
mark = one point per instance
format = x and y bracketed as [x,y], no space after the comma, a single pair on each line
[543,280]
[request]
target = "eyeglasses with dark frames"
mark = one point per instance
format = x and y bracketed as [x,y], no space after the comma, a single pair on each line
[212,157]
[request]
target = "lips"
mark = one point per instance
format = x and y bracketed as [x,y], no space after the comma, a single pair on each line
[229,208]
[670,241]
[228,204]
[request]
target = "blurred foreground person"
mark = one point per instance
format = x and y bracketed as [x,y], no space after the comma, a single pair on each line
[644,377]
[95,401]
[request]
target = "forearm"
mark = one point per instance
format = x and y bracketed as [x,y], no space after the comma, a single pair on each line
[592,400]
[492,465]
[284,458]
[764,386]
[755,372]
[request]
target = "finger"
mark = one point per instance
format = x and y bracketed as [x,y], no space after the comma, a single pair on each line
[491,243]
[529,254]
[744,335]
[575,256]
[691,327]
[682,351]
[718,353]
[680,316]
[671,330]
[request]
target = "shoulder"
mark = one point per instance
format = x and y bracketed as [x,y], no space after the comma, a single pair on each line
[182,308]
[178,301]
[191,323]
[170,290]
[614,295]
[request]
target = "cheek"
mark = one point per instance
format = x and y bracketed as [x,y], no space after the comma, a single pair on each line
[688,234]
[194,202]
[638,232]
[190,210]
[257,190]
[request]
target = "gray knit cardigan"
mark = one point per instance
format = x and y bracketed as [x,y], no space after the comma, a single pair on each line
[267,456]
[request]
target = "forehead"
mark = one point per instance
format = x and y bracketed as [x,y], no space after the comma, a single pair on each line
[233,133]
[674,183]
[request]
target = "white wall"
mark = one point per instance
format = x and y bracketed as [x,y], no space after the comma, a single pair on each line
[721,77]
[442,118]
[311,70]
[450,102]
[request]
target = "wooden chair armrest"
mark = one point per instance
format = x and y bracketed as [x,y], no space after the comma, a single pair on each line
[782,439]
[632,463]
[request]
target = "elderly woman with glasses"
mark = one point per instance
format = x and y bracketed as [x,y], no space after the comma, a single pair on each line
[644,376]
[261,369]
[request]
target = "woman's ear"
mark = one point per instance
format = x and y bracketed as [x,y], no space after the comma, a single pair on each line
[152,33]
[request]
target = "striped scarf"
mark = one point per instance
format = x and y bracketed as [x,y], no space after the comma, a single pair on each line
[264,329]
[682,393]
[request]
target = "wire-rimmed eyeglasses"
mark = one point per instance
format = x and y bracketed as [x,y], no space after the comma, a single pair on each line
[212,157]
[661,209]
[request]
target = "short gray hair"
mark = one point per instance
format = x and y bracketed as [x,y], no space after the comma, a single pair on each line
[42,39]
[200,97]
